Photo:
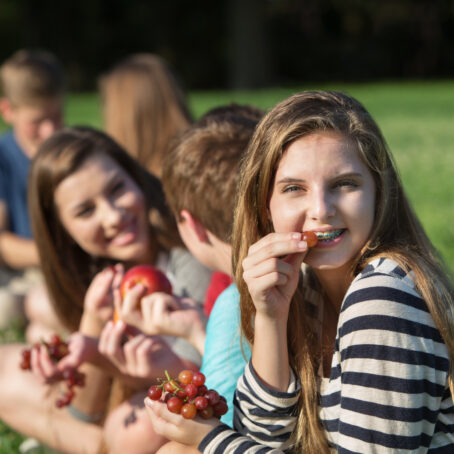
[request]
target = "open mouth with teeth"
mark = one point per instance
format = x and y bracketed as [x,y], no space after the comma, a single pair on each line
[329,236]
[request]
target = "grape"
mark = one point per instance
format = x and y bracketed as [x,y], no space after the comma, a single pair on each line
[220,408]
[212,396]
[198,378]
[201,402]
[170,386]
[202,390]
[185,377]
[207,413]
[191,390]
[310,238]
[174,404]
[57,349]
[154,392]
[188,411]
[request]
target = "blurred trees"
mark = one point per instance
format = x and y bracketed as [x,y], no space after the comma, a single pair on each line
[240,43]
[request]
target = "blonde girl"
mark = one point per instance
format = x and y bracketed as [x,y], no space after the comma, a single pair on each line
[352,339]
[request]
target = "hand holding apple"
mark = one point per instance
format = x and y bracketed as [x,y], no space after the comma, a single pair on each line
[152,280]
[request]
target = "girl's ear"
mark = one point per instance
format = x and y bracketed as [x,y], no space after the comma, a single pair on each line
[195,226]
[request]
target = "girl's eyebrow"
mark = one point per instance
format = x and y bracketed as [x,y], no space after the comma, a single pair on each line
[336,177]
[290,180]
[83,203]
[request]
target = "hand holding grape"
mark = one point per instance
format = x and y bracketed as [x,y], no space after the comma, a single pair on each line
[271,272]
[183,409]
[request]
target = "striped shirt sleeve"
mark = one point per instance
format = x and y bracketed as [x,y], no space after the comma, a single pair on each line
[266,416]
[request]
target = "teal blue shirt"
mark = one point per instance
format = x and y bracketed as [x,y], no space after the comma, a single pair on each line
[223,361]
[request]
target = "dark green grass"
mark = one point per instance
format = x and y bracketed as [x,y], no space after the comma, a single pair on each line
[417,121]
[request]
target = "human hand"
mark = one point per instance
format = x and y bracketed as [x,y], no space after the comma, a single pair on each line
[99,296]
[42,366]
[164,314]
[139,357]
[174,427]
[271,271]
[81,349]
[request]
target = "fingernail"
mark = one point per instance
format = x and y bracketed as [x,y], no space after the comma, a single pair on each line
[297,236]
[148,402]
[302,244]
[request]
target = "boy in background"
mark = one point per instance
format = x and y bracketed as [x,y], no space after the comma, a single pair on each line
[200,175]
[32,87]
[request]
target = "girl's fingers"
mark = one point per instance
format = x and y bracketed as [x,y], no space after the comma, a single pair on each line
[131,350]
[131,301]
[268,266]
[276,246]
[118,276]
[110,339]
[272,238]
[262,284]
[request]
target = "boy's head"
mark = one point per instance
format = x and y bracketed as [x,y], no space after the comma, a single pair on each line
[32,86]
[200,171]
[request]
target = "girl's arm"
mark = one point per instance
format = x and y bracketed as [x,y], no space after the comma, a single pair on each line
[271,271]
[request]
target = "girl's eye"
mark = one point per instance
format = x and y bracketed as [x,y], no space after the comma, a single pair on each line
[291,188]
[84,212]
[346,183]
[117,187]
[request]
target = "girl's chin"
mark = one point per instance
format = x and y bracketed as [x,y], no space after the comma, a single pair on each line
[131,253]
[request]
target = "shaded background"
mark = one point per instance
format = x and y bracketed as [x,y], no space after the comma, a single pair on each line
[225,44]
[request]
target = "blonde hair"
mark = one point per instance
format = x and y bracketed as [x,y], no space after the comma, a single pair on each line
[403,240]
[31,77]
[144,108]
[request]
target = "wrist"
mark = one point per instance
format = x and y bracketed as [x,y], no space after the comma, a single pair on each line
[90,324]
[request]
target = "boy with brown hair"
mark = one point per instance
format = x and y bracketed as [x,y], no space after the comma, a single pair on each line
[200,175]
[31,102]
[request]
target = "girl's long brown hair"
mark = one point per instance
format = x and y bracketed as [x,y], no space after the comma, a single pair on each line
[403,239]
[144,107]
[68,269]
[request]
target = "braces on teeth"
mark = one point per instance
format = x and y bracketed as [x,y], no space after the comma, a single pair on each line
[326,236]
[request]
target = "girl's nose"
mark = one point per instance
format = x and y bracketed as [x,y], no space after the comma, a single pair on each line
[321,205]
[111,215]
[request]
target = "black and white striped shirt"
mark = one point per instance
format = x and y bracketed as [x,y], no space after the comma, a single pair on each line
[388,388]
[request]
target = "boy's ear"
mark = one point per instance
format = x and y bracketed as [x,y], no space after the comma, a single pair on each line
[6,110]
[197,228]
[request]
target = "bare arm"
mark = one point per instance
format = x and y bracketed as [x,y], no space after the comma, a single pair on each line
[15,251]
[271,272]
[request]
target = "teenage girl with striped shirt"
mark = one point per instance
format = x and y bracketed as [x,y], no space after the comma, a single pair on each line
[352,339]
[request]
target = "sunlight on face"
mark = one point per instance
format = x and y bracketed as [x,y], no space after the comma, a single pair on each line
[103,210]
[322,185]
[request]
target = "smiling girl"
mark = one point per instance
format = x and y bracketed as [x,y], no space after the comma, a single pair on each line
[352,339]
[92,206]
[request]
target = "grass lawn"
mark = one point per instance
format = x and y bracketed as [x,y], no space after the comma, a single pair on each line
[416,118]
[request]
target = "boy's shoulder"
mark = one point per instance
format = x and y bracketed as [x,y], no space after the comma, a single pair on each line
[11,154]
[8,144]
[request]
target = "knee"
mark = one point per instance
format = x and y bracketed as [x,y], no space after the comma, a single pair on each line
[128,429]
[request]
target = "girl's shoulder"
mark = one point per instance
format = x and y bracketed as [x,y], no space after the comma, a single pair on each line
[385,296]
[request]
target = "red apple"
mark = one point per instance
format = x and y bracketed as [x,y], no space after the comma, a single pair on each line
[153,279]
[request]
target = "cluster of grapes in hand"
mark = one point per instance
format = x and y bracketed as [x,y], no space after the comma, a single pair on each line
[188,396]
[57,349]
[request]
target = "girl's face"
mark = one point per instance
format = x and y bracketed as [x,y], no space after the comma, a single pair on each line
[104,211]
[322,185]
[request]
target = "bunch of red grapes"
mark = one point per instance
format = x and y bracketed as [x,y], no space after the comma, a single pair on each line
[57,349]
[188,396]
